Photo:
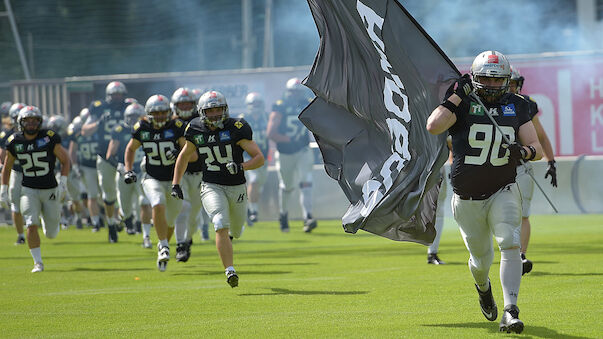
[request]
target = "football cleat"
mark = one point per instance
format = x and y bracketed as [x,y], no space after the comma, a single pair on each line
[249,220]
[130,227]
[20,241]
[487,303]
[309,224]
[163,256]
[38,267]
[232,278]
[183,252]
[78,224]
[253,216]
[205,232]
[432,258]
[112,233]
[284,222]
[510,320]
[526,264]
[146,242]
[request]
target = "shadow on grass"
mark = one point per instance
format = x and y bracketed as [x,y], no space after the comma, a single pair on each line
[529,331]
[219,272]
[284,291]
[103,269]
[546,274]
[245,241]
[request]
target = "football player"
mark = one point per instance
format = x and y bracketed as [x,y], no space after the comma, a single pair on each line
[120,136]
[486,198]
[257,118]
[58,124]
[294,159]
[220,141]
[82,151]
[104,116]
[16,177]
[160,138]
[184,107]
[75,187]
[526,184]
[37,150]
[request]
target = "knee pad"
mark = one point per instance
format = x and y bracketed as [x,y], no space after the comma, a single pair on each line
[507,236]
[217,221]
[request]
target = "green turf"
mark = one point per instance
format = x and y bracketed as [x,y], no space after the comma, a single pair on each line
[324,284]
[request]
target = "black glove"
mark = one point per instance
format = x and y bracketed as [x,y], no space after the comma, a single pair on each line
[129,177]
[171,154]
[177,192]
[234,168]
[516,152]
[552,171]
[464,87]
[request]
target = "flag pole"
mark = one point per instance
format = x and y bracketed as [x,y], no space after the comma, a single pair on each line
[474,96]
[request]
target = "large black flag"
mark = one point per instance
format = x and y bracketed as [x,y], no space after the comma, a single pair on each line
[377,77]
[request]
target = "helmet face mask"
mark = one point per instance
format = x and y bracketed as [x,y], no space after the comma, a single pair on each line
[208,103]
[30,120]
[183,103]
[158,110]
[115,92]
[490,73]
[133,113]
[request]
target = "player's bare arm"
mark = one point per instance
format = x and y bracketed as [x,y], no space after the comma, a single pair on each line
[528,137]
[441,119]
[547,148]
[133,145]
[61,154]
[272,129]
[90,127]
[2,155]
[187,152]
[9,160]
[73,152]
[257,158]
[112,148]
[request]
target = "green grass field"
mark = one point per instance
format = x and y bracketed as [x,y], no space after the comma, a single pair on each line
[325,284]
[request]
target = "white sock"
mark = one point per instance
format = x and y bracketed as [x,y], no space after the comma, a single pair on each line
[95,219]
[510,274]
[21,235]
[305,198]
[164,243]
[36,254]
[284,198]
[146,230]
[253,206]
[229,268]
[113,221]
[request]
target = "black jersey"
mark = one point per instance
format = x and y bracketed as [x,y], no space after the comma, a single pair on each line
[116,110]
[155,143]
[195,166]
[480,165]
[217,148]
[258,124]
[122,133]
[291,126]
[36,157]
[87,148]
[531,104]
[4,135]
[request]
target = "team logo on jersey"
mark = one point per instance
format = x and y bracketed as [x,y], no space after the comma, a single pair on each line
[50,133]
[179,123]
[43,141]
[30,147]
[144,135]
[238,124]
[477,109]
[19,148]
[199,139]
[224,136]
[156,136]
[508,110]
[97,103]
[168,134]
[212,138]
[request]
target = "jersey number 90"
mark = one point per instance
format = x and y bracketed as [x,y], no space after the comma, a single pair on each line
[487,139]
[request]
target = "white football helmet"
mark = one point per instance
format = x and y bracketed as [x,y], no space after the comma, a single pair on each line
[254,103]
[490,64]
[213,99]
[30,127]
[158,110]
[133,113]
[183,97]
[115,90]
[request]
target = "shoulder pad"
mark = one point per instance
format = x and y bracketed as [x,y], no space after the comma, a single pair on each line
[137,125]
[97,103]
[178,123]
[50,133]
[11,138]
[69,132]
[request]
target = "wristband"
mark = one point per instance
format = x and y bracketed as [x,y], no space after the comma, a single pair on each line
[532,151]
[450,106]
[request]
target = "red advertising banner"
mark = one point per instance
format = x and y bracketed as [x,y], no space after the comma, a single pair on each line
[569,93]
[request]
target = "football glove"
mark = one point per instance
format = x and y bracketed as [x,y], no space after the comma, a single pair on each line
[105,117]
[177,192]
[552,171]
[464,87]
[130,177]
[516,152]
[4,201]
[234,168]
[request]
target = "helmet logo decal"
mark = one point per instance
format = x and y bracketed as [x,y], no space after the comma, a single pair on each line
[493,58]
